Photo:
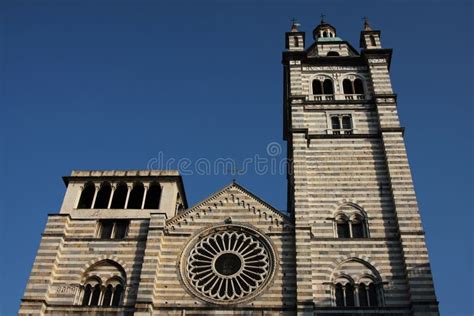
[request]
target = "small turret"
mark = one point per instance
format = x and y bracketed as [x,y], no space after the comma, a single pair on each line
[294,40]
[369,39]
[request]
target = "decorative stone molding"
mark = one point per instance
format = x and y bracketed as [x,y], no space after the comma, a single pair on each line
[217,200]
[362,259]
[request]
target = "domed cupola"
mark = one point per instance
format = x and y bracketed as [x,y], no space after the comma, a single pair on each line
[324,31]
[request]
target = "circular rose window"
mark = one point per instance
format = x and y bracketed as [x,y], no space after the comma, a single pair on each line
[227,264]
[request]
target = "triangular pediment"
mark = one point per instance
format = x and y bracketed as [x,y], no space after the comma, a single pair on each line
[232,204]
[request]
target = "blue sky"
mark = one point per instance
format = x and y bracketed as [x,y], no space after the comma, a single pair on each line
[111,84]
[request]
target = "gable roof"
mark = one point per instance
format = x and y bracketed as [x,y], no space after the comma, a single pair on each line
[254,199]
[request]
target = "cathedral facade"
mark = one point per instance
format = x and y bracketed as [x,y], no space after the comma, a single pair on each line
[350,243]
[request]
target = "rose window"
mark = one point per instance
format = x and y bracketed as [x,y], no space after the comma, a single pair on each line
[228,265]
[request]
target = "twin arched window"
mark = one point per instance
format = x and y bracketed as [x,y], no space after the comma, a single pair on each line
[353,87]
[353,227]
[103,285]
[356,283]
[116,197]
[341,124]
[350,222]
[323,87]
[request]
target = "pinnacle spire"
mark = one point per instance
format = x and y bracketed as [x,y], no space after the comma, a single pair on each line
[366,24]
[294,25]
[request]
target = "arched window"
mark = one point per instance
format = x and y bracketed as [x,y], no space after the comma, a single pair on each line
[372,41]
[349,293]
[341,124]
[366,289]
[325,34]
[335,123]
[103,196]
[363,299]
[358,230]
[332,54]
[358,86]
[153,196]
[339,295]
[108,295]
[317,87]
[347,86]
[373,300]
[343,230]
[105,272]
[295,39]
[136,196]
[117,295]
[351,222]
[95,295]
[87,295]
[120,195]
[328,87]
[87,196]
[346,122]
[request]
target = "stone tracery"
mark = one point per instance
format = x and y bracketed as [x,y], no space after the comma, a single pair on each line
[227,266]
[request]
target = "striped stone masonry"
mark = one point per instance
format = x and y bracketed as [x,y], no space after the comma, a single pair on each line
[351,241]
[360,171]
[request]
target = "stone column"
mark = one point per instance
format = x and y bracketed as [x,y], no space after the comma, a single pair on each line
[96,191]
[113,187]
[145,188]
[129,189]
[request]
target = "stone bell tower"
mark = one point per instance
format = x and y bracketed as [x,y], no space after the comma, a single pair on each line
[359,240]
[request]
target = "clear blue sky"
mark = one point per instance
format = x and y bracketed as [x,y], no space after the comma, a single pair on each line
[110,84]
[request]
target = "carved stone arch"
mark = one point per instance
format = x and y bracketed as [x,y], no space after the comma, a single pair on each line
[91,279]
[340,215]
[338,208]
[106,258]
[352,76]
[343,279]
[364,260]
[360,279]
[114,281]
